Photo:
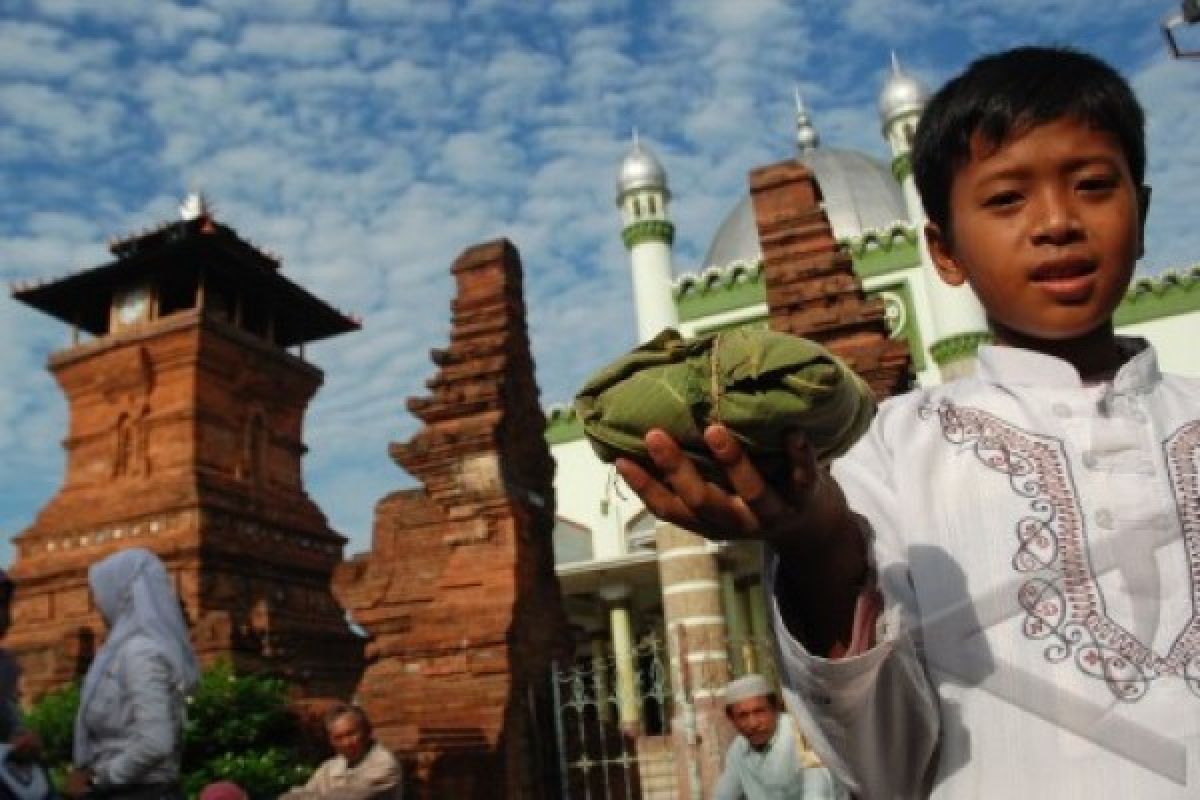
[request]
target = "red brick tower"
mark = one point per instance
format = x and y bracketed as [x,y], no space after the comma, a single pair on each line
[185,436]
[458,592]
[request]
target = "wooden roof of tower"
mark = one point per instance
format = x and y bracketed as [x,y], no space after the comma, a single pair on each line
[185,248]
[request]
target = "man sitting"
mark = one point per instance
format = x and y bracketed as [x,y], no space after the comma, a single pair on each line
[362,769]
[769,759]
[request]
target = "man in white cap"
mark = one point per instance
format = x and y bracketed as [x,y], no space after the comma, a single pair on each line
[769,759]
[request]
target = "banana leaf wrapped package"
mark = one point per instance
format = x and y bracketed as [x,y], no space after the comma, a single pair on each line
[758,383]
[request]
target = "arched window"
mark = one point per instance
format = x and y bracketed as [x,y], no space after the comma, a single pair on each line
[637,209]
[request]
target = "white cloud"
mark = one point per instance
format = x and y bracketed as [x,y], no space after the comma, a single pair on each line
[47,123]
[37,50]
[274,10]
[294,42]
[408,11]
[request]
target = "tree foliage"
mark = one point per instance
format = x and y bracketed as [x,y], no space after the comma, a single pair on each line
[239,728]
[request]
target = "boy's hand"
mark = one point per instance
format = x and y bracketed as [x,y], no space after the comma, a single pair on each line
[823,556]
[754,510]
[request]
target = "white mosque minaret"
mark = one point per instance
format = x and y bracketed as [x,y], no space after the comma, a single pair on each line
[642,197]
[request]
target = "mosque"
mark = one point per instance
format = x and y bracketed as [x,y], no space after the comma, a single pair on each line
[615,577]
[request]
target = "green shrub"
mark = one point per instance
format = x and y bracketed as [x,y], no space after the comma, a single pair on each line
[53,719]
[238,728]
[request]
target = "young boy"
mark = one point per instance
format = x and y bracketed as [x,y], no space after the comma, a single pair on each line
[1034,530]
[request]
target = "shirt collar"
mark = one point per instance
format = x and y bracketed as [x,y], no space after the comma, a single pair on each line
[1014,366]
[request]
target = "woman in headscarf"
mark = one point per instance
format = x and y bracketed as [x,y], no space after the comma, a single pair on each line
[129,730]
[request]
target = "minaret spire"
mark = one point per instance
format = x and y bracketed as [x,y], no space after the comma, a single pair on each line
[807,138]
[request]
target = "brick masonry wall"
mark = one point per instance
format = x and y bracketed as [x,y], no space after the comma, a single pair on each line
[459,592]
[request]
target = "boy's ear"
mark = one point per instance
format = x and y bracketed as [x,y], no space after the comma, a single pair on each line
[942,254]
[1143,209]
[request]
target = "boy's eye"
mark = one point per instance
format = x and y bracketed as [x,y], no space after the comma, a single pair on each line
[1097,182]
[1002,199]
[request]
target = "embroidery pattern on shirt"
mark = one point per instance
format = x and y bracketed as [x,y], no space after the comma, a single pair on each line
[1182,451]
[1061,599]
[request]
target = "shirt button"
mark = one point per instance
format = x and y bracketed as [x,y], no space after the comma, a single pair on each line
[1061,410]
[1104,518]
[1090,460]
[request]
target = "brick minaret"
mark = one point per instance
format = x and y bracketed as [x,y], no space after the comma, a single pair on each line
[811,287]
[458,593]
[185,436]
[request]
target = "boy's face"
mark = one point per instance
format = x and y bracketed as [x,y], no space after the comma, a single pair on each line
[1046,228]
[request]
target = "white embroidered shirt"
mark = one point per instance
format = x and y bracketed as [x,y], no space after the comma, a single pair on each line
[1038,546]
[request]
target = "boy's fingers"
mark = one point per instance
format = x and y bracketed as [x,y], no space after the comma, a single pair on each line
[677,469]
[803,458]
[715,513]
[758,503]
[744,476]
[658,499]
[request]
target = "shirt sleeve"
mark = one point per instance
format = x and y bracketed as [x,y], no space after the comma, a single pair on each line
[873,718]
[317,780]
[155,732]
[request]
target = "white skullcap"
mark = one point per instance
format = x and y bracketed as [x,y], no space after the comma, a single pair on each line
[746,687]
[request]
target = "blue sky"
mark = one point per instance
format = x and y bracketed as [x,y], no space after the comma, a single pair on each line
[368,142]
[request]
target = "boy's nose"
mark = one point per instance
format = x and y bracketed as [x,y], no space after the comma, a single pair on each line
[1056,220]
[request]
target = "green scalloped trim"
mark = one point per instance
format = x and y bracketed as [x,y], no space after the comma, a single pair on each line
[1168,294]
[705,296]
[878,252]
[955,348]
[871,263]
[649,230]
[902,167]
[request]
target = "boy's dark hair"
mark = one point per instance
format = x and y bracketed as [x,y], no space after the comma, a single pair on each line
[1009,92]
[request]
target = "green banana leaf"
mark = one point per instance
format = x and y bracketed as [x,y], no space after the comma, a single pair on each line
[758,383]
